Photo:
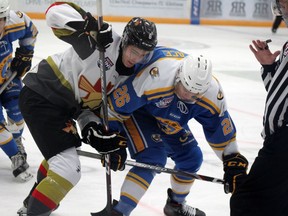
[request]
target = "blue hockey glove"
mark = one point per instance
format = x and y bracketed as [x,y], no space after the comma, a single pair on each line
[104,142]
[235,168]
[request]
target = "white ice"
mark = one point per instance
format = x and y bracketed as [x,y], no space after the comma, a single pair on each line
[239,74]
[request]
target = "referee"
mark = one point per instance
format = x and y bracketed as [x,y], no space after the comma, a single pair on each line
[265,190]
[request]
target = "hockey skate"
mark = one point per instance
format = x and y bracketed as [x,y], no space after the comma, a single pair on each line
[21,147]
[173,208]
[20,167]
[23,210]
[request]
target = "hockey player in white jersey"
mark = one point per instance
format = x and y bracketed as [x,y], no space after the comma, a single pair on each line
[67,86]
[14,26]
[155,106]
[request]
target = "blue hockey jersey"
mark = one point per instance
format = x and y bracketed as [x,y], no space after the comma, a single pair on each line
[18,27]
[152,89]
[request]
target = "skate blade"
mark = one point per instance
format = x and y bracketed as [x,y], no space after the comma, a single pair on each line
[24,176]
[22,211]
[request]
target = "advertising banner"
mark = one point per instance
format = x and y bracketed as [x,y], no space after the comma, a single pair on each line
[236,9]
[40,6]
[146,8]
[204,12]
[195,11]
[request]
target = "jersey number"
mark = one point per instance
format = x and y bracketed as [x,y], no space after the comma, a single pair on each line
[121,96]
[227,126]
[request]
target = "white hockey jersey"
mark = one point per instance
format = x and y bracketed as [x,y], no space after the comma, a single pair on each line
[71,79]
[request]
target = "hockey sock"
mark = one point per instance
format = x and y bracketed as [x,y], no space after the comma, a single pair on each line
[136,183]
[180,188]
[48,194]
[10,148]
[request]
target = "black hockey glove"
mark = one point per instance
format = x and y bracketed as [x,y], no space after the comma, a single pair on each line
[235,168]
[102,38]
[22,61]
[104,142]
[117,159]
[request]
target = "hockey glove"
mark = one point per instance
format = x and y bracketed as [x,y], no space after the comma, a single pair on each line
[235,168]
[102,38]
[22,61]
[117,159]
[104,142]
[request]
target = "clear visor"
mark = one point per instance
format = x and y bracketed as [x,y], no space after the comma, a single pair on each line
[138,56]
[146,58]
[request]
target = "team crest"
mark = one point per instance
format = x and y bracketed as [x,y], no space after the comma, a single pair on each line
[19,14]
[154,72]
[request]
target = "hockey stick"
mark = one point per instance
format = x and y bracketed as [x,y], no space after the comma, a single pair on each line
[7,82]
[157,168]
[107,210]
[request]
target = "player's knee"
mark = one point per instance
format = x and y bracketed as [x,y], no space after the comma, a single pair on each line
[191,161]
[153,156]
[15,127]
[15,116]
[5,135]
[67,165]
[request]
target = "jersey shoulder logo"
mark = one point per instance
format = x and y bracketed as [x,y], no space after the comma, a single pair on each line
[164,102]
[220,95]
[154,72]
[108,63]
[19,14]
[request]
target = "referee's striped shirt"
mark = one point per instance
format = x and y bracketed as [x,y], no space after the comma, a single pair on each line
[275,78]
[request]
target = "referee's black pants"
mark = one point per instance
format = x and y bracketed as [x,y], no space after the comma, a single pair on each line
[265,191]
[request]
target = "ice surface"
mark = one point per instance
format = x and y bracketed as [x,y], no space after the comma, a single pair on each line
[238,71]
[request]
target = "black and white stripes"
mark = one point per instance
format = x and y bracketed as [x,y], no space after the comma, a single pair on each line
[275,78]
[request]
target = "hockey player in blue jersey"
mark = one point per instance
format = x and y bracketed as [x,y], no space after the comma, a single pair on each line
[14,26]
[155,106]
